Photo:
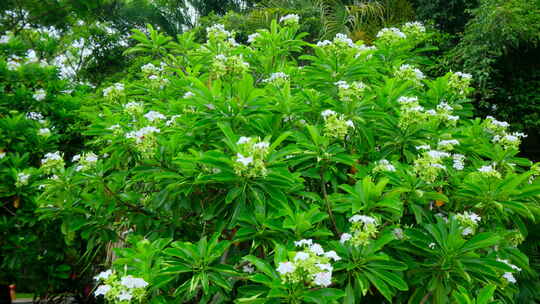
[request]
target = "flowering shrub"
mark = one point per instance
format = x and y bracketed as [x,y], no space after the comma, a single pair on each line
[236,152]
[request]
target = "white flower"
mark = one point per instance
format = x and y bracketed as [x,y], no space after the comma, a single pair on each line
[342,84]
[76,158]
[102,290]
[416,25]
[40,94]
[473,217]
[486,169]
[303,242]
[423,147]
[327,113]
[248,268]
[12,64]
[262,145]
[444,143]
[332,255]
[91,157]
[439,166]
[345,237]
[149,68]
[362,218]
[188,94]
[114,127]
[467,231]
[302,256]
[317,249]
[23,178]
[44,132]
[432,245]
[385,165]
[391,32]
[51,156]
[34,116]
[509,277]
[291,18]
[154,115]
[5,39]
[2,155]
[458,161]
[326,267]
[242,140]
[103,275]
[350,123]
[437,154]
[124,296]
[244,160]
[407,100]
[286,267]
[323,279]
[324,43]
[463,75]
[131,282]
[276,76]
[140,134]
[444,106]
[253,37]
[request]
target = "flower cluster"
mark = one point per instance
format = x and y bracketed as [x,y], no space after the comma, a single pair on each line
[409,72]
[391,35]
[291,19]
[458,161]
[52,162]
[36,116]
[414,29]
[278,78]
[134,108]
[341,44]
[145,139]
[384,165]
[45,132]
[250,159]
[448,144]
[150,69]
[348,92]
[22,179]
[114,91]
[217,32]
[411,111]
[363,229]
[335,125]
[229,66]
[509,140]
[310,266]
[460,82]
[253,37]
[430,165]
[489,171]
[85,161]
[469,222]
[118,289]
[154,115]
[40,95]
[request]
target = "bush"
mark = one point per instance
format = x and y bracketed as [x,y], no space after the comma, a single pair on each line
[38,115]
[224,172]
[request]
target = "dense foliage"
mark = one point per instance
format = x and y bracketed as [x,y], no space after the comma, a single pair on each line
[270,160]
